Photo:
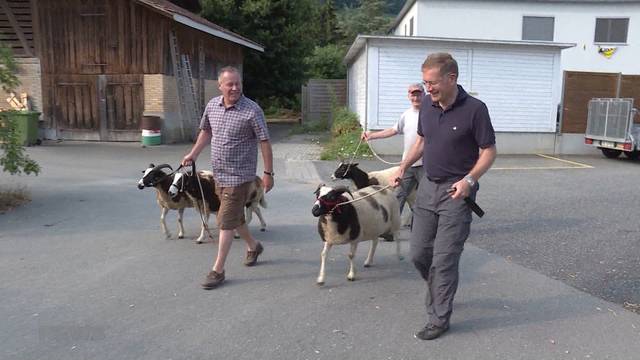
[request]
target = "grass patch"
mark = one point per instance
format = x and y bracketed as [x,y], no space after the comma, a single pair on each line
[345,137]
[12,197]
[310,127]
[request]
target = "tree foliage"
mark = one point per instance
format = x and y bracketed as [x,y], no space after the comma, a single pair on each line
[13,159]
[326,62]
[8,69]
[369,18]
[285,28]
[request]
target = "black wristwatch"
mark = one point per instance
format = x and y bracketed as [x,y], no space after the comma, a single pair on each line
[269,173]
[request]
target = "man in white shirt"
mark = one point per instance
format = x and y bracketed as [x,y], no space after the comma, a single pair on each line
[408,126]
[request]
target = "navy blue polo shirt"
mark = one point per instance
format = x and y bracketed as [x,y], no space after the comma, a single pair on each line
[453,137]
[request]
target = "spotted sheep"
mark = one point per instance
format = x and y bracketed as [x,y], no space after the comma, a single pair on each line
[156,177]
[186,183]
[375,214]
[363,179]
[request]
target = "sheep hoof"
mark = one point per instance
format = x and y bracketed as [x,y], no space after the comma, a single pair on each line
[351,278]
[236,236]
[263,229]
[319,283]
[198,241]
[400,258]
[367,265]
[180,236]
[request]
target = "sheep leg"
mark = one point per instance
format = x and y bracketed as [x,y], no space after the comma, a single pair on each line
[351,276]
[163,223]
[372,250]
[263,224]
[396,235]
[180,226]
[323,260]
[203,226]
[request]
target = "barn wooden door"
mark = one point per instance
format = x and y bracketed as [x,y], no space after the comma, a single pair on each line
[123,97]
[75,107]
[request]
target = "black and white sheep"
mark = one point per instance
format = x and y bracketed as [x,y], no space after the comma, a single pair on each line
[363,179]
[156,177]
[375,214]
[184,183]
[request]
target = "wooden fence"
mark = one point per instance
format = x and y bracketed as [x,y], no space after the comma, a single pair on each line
[580,87]
[318,95]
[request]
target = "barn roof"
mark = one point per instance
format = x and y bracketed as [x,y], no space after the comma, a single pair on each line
[194,21]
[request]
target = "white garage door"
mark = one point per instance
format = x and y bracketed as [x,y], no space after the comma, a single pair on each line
[517,86]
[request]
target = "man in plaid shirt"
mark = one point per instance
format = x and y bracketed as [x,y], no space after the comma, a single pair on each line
[233,125]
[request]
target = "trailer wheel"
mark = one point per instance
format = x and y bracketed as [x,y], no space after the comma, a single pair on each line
[633,155]
[611,153]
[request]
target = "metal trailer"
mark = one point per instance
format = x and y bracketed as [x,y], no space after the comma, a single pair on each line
[611,127]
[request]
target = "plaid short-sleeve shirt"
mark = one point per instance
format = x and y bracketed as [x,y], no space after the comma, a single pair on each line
[234,142]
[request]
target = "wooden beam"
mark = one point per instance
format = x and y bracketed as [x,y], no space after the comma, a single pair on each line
[16,27]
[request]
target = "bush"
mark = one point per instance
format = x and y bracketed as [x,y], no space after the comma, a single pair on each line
[345,137]
[14,160]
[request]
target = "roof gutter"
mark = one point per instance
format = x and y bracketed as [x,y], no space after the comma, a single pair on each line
[221,34]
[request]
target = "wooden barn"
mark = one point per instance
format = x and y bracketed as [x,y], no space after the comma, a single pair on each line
[95,68]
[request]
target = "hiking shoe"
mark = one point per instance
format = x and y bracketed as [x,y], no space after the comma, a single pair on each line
[212,280]
[430,332]
[252,255]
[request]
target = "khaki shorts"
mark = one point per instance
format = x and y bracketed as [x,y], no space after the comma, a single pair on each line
[232,201]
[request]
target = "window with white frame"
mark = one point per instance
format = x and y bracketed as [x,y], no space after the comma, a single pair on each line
[538,28]
[411,27]
[611,30]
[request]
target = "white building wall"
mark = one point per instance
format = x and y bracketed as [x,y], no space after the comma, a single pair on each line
[412,13]
[502,20]
[357,75]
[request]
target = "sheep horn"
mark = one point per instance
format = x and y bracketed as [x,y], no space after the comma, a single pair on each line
[162,166]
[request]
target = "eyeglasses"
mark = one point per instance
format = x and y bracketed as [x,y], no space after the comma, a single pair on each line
[434,83]
[431,83]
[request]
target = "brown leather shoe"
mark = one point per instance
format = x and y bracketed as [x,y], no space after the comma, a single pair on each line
[252,256]
[212,280]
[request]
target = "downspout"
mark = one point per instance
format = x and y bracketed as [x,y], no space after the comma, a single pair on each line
[366,85]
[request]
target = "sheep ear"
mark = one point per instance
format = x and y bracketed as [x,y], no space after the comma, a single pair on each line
[354,164]
[151,165]
[317,192]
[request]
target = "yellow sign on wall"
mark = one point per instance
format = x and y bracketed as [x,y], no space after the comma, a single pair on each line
[607,52]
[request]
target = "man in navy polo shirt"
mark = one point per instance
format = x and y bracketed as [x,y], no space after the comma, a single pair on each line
[457,144]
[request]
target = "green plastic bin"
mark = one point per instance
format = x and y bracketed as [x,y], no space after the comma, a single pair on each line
[26,125]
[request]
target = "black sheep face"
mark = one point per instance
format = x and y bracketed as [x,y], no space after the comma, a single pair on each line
[327,198]
[343,171]
[152,175]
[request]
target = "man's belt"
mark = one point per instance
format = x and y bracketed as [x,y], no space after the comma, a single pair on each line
[474,206]
[471,204]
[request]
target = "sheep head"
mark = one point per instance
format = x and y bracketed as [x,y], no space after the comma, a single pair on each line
[153,175]
[327,198]
[344,171]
